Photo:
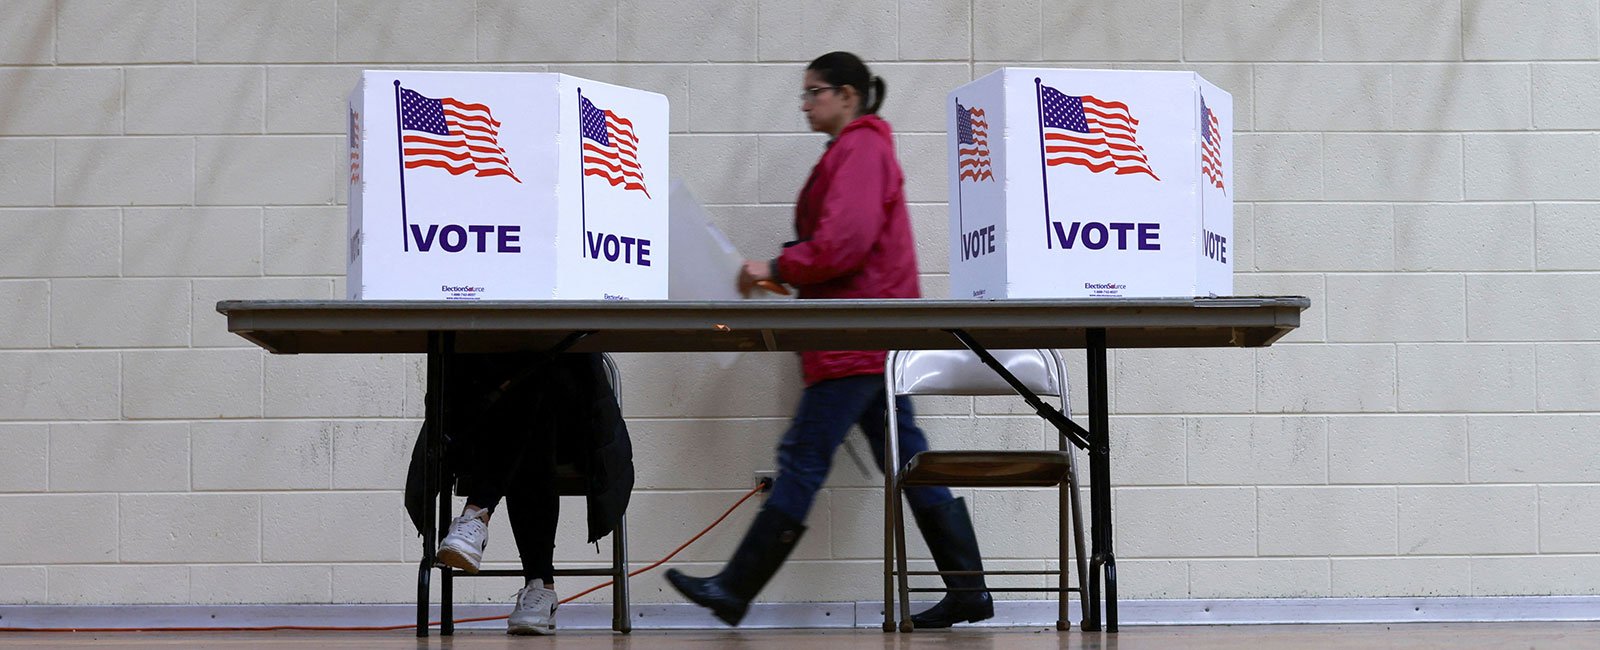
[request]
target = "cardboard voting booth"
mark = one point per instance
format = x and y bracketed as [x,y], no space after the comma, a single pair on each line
[505,186]
[1081,183]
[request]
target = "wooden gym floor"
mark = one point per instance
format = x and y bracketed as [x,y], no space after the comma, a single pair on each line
[1253,637]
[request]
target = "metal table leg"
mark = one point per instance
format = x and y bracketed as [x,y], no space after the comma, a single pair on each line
[440,346]
[1101,555]
[447,622]
[432,434]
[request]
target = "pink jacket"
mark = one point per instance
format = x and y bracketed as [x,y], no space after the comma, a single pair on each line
[854,237]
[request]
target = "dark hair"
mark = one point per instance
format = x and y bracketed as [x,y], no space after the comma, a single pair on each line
[846,69]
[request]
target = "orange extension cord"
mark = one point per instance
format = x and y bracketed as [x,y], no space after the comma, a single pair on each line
[388,628]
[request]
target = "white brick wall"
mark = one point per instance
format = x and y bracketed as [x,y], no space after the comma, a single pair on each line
[1427,173]
[24,585]
[1374,30]
[1258,451]
[91,584]
[1327,521]
[125,170]
[29,166]
[1401,449]
[64,101]
[22,301]
[234,31]
[1409,576]
[1281,91]
[1322,236]
[1293,578]
[24,457]
[119,456]
[191,528]
[1503,241]
[1560,90]
[256,455]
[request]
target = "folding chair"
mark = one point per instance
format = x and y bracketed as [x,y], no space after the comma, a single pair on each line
[960,372]
[569,481]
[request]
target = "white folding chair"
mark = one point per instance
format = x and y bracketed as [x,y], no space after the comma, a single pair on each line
[961,372]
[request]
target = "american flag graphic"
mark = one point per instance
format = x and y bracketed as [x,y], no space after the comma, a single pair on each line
[355,147]
[610,148]
[1091,132]
[972,144]
[1210,146]
[452,135]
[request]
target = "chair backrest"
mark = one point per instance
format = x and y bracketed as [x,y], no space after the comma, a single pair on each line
[569,480]
[613,375]
[961,372]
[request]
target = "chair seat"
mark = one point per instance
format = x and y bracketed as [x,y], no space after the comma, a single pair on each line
[987,468]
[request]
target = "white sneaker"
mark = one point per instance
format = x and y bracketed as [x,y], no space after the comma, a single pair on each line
[463,547]
[535,612]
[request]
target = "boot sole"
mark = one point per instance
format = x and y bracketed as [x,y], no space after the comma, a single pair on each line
[943,625]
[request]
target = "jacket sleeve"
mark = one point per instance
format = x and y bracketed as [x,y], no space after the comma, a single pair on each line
[850,217]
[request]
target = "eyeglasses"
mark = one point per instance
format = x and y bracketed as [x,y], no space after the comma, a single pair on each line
[811,93]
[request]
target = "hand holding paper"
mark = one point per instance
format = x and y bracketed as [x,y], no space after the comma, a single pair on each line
[757,275]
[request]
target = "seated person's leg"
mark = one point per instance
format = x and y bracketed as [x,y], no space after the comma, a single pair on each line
[534,507]
[511,448]
[496,448]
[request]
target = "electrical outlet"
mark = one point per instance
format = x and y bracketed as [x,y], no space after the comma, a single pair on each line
[765,477]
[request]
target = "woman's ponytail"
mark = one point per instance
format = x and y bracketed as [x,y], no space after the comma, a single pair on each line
[878,90]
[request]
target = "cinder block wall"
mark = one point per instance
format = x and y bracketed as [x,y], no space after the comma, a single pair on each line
[1428,173]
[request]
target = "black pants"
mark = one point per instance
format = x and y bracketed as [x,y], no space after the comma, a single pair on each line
[520,467]
[510,454]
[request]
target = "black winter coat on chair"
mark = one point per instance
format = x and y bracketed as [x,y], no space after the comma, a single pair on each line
[569,393]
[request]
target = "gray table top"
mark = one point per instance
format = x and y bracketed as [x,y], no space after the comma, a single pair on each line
[370,326]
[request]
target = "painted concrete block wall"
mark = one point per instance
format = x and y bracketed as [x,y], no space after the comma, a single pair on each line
[1427,173]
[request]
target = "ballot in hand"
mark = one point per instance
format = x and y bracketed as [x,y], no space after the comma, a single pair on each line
[757,275]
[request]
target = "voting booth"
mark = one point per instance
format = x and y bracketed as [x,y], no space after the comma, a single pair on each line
[1083,183]
[505,186]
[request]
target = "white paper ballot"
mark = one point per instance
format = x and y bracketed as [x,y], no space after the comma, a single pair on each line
[705,264]
[706,267]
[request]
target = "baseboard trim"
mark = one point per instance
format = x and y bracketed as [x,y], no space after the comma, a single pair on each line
[866,614]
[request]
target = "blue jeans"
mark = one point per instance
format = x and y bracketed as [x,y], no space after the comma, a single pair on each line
[827,411]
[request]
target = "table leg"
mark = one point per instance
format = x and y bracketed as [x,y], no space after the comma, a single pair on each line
[433,435]
[440,346]
[1102,558]
[447,622]
[424,572]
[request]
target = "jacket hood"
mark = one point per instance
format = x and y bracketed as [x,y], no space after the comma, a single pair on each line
[870,123]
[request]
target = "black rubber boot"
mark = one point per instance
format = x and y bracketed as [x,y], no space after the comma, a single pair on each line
[948,530]
[728,594]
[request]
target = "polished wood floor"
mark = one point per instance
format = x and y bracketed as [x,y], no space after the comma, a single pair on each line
[1250,637]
